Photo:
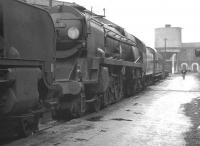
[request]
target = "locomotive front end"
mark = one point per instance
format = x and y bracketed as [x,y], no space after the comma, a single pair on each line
[70,30]
[70,26]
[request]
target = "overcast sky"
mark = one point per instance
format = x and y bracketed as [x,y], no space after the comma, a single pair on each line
[141,17]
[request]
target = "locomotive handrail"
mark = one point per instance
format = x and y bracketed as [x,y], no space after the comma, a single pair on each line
[137,60]
[108,61]
[121,36]
[70,19]
[68,41]
[20,63]
[92,18]
[128,43]
[127,39]
[99,16]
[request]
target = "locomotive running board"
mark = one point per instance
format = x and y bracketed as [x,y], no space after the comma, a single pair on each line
[91,100]
[6,83]
[5,62]
[108,61]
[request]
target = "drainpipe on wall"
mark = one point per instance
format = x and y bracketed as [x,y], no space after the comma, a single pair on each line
[173,63]
[165,55]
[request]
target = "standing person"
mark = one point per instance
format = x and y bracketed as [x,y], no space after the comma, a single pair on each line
[184,71]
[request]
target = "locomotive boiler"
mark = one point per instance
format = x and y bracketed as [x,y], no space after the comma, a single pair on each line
[27,39]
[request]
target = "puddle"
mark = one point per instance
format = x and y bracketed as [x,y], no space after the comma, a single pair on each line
[81,139]
[192,111]
[55,144]
[94,119]
[121,119]
[135,104]
[103,130]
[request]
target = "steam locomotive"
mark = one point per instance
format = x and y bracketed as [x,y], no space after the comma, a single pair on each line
[97,61]
[67,59]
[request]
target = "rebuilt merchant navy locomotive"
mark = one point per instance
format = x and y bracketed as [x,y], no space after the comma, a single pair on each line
[97,62]
[68,59]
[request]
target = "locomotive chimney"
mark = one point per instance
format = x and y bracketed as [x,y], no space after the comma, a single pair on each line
[91,9]
[104,12]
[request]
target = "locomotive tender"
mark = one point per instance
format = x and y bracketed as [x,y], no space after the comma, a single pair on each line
[27,52]
[69,59]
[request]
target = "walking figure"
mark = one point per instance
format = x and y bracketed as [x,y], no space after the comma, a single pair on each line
[184,71]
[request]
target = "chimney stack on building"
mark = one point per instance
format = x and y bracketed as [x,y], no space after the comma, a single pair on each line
[167,25]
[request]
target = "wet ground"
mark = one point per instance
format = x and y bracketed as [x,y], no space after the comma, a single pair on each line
[192,137]
[165,114]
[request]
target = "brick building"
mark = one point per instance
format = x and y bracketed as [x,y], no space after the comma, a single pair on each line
[178,55]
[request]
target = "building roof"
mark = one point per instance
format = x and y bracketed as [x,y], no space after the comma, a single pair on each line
[168,26]
[191,45]
[47,2]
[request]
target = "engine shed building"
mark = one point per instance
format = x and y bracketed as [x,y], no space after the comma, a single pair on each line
[178,55]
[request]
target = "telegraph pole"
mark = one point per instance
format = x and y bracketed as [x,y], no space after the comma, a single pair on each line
[165,53]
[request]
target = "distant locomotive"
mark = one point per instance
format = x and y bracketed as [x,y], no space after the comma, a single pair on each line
[155,65]
[69,59]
